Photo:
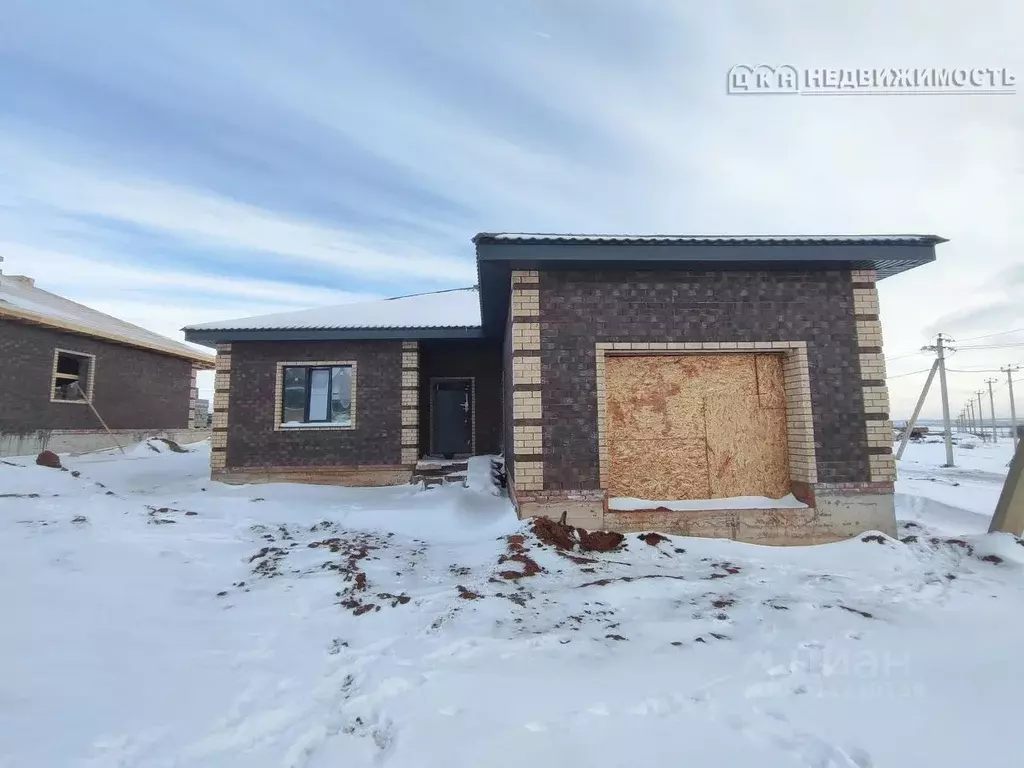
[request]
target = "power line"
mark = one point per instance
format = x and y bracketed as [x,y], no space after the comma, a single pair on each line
[901,375]
[977,370]
[990,335]
[991,346]
[901,357]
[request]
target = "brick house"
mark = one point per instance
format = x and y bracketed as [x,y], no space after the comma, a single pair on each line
[64,366]
[721,386]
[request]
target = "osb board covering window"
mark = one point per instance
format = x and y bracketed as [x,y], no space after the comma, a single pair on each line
[696,426]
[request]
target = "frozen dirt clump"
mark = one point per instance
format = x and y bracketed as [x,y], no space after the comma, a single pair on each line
[49,459]
[654,539]
[553,533]
[562,536]
[599,541]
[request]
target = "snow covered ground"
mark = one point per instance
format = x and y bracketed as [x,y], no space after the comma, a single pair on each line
[149,617]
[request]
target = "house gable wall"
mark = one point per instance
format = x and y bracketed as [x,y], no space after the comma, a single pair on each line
[252,442]
[133,389]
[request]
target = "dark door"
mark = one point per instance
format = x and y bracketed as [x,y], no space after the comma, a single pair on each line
[452,417]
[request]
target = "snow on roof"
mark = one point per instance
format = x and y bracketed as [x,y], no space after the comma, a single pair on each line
[455,308]
[708,239]
[22,300]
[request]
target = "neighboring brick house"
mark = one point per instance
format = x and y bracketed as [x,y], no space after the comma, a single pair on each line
[721,386]
[64,367]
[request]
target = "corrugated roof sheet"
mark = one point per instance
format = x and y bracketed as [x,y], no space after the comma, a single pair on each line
[526,237]
[21,299]
[456,308]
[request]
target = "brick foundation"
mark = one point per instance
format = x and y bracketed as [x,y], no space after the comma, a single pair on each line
[835,511]
[356,476]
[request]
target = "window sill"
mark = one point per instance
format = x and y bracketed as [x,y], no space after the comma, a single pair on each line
[315,426]
[68,402]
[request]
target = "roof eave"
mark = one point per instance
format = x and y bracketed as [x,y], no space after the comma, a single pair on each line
[199,359]
[212,337]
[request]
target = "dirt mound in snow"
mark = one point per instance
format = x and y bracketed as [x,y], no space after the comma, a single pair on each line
[517,554]
[562,536]
[49,459]
[554,534]
[599,541]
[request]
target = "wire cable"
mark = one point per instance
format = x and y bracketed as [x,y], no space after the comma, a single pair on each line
[901,375]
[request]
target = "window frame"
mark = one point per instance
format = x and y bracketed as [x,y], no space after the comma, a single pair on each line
[309,365]
[89,388]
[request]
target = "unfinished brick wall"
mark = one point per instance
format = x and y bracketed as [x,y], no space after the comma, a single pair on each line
[131,388]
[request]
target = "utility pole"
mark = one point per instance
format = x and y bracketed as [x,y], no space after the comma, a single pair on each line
[1009,516]
[941,360]
[992,407]
[917,410]
[1009,371]
[974,418]
[981,414]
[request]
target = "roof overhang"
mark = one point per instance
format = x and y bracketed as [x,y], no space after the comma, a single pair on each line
[211,338]
[499,254]
[199,359]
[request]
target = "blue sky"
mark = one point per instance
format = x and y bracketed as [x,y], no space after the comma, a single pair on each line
[181,162]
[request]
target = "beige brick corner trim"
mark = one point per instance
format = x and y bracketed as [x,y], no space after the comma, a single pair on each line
[872,366]
[864,275]
[525,336]
[529,476]
[527,439]
[221,400]
[525,276]
[869,333]
[876,399]
[410,402]
[865,301]
[879,433]
[526,405]
[526,370]
[193,398]
[796,384]
[525,302]
[883,467]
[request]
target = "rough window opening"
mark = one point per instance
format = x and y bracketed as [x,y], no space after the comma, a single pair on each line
[72,377]
[317,396]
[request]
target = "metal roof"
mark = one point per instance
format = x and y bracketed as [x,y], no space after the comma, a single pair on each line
[454,313]
[482,310]
[22,300]
[535,237]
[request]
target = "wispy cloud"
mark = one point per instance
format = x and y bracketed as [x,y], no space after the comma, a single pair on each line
[247,157]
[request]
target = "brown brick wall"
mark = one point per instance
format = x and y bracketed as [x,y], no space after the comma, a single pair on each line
[580,308]
[376,440]
[481,360]
[133,388]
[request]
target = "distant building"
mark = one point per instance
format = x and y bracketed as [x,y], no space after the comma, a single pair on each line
[202,413]
[66,370]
